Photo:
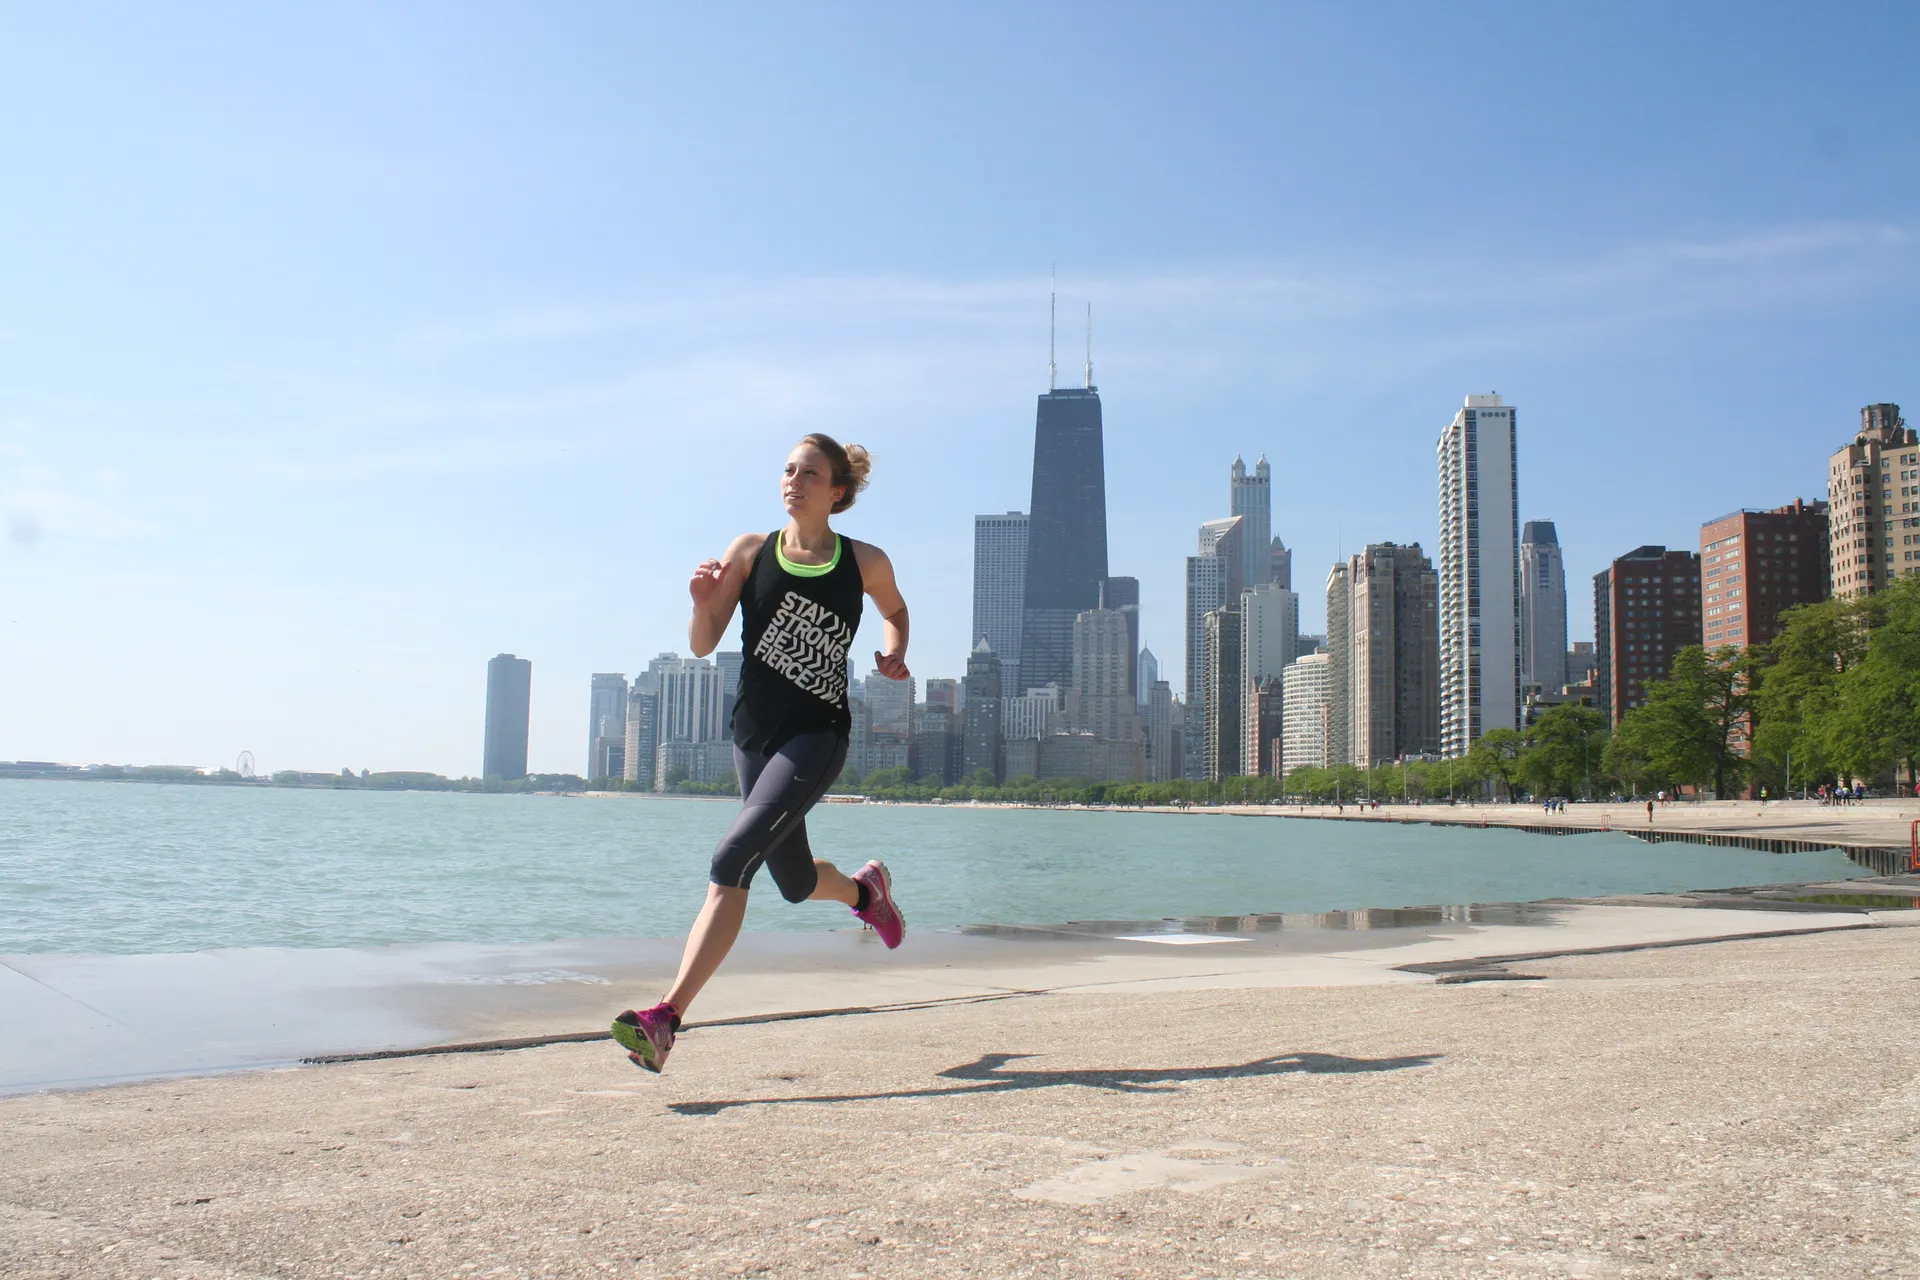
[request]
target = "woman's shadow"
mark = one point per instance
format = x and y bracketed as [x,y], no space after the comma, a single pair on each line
[990,1074]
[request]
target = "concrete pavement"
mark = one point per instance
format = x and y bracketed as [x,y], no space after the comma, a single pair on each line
[1735,1109]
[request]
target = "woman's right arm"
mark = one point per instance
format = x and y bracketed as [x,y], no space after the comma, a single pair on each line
[715,588]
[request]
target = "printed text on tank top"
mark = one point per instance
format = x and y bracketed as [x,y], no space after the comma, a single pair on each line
[807,643]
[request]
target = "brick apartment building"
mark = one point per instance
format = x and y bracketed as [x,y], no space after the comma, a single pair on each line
[1756,564]
[1873,488]
[1646,608]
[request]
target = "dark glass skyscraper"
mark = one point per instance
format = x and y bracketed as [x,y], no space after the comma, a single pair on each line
[1066,532]
[509,694]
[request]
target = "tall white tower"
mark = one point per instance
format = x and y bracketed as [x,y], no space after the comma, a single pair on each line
[999,588]
[1479,574]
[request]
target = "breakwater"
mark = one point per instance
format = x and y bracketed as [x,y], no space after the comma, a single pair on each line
[1881,859]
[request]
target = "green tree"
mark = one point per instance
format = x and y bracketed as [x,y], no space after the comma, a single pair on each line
[1797,690]
[1693,724]
[1874,725]
[1564,746]
[1496,757]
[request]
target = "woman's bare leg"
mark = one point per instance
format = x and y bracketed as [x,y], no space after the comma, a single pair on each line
[713,935]
[833,886]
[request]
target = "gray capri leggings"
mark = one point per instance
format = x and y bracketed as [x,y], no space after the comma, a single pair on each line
[776,791]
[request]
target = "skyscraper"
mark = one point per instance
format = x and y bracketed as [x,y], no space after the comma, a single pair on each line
[1252,498]
[1099,701]
[1874,502]
[943,691]
[1339,666]
[1306,694]
[1122,595]
[1223,734]
[889,721]
[1214,581]
[730,662]
[1479,574]
[1543,608]
[999,587]
[1280,565]
[980,722]
[1068,519]
[691,694]
[643,734]
[1394,646]
[1646,608]
[1756,564]
[1146,670]
[1163,751]
[509,699]
[1269,636]
[607,726]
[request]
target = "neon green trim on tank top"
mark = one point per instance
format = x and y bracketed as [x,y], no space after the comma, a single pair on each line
[806,570]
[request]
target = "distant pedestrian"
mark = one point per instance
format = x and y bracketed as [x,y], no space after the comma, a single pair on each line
[799,590]
[1649,813]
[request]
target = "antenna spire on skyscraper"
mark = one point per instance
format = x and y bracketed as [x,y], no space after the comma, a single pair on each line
[1053,294]
[1089,346]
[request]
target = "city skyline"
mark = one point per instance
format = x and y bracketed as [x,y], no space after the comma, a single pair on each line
[327,415]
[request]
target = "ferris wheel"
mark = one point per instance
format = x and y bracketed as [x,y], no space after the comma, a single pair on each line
[244,766]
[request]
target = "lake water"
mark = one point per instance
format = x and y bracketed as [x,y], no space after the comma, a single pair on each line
[137,868]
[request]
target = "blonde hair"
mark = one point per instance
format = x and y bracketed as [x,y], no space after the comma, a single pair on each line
[850,463]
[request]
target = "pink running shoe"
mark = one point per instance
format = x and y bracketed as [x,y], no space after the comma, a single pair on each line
[881,914]
[647,1035]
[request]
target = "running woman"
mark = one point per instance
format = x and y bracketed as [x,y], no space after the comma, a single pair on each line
[799,594]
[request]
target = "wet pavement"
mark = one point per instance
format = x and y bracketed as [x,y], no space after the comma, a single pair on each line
[78,1021]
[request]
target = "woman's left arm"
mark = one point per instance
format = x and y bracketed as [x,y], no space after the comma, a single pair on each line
[876,573]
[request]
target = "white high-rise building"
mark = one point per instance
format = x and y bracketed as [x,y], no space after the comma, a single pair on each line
[1270,631]
[999,588]
[1306,691]
[1479,574]
[1099,701]
[1032,715]
[1543,608]
[691,692]
[1149,671]
[1251,497]
[1269,641]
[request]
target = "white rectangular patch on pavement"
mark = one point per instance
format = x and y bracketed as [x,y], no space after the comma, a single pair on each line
[1182,939]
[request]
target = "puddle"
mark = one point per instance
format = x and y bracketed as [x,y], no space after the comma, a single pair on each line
[1193,929]
[1180,939]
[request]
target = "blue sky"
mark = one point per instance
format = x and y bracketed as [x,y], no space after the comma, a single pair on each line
[342,348]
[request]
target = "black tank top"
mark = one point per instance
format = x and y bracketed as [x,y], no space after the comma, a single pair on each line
[795,632]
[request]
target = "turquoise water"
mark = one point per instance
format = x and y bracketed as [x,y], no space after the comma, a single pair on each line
[135,868]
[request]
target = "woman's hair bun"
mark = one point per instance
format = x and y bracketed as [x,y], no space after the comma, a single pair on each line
[859,464]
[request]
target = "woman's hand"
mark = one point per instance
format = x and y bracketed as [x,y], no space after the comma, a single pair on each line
[715,588]
[891,665]
[705,583]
